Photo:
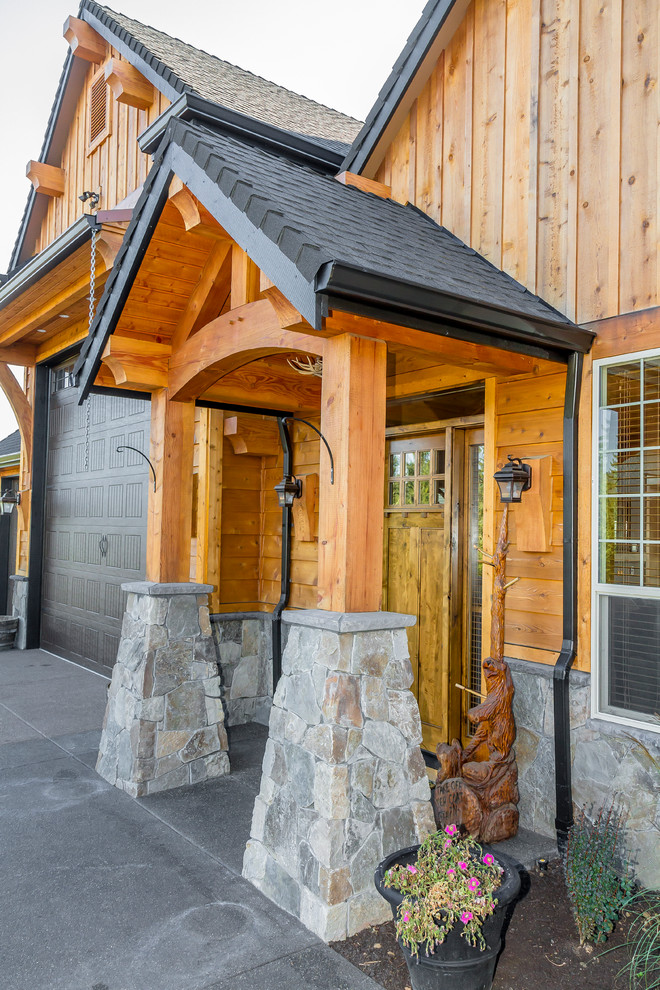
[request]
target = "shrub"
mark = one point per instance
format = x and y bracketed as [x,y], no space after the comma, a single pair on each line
[595,889]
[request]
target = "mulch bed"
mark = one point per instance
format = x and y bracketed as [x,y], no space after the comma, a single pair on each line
[541,951]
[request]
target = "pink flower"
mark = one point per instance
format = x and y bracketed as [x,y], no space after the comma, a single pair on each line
[466,916]
[473,883]
[406,917]
[451,830]
[462,865]
[450,872]
[447,844]
[488,859]
[411,869]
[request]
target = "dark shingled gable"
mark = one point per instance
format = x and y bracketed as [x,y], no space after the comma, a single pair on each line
[11,444]
[297,224]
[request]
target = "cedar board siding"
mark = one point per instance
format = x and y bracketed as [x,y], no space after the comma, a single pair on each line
[534,140]
[114,168]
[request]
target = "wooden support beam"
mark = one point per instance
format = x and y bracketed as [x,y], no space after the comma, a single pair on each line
[194,307]
[138,364]
[245,278]
[479,357]
[83,40]
[238,337]
[196,218]
[169,523]
[21,408]
[435,379]
[303,508]
[266,384]
[287,313]
[366,185]
[350,510]
[251,435]
[46,179]
[128,85]
[21,354]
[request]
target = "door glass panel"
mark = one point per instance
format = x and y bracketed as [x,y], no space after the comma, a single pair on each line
[410,493]
[474,567]
[424,462]
[424,493]
[395,493]
[395,465]
[409,462]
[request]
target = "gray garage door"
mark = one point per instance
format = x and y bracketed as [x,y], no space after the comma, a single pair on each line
[96,516]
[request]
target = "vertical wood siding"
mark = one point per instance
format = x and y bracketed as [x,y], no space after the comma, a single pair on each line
[535,140]
[115,167]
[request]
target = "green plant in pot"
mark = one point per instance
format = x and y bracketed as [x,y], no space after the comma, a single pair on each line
[449,897]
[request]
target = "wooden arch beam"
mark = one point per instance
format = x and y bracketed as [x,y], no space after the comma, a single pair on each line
[237,338]
[21,408]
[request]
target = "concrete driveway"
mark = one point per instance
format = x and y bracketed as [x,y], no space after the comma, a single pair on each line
[102,892]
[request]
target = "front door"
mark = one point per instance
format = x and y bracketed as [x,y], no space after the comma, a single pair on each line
[433,511]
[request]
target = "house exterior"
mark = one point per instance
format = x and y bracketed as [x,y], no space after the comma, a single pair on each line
[383,313]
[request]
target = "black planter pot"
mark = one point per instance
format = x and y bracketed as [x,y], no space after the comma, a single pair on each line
[455,965]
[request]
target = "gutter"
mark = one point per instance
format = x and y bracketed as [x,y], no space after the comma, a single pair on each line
[59,249]
[560,683]
[192,107]
[366,293]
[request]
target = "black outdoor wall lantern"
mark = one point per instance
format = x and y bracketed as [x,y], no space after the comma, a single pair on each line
[513,479]
[8,500]
[288,489]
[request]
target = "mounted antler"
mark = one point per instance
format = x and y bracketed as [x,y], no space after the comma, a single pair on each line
[307,365]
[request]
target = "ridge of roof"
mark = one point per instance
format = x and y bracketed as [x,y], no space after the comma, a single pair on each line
[415,50]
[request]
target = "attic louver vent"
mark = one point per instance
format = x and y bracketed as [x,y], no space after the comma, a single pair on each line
[98,108]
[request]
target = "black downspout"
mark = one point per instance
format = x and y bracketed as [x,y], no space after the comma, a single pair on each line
[563,785]
[38,506]
[285,580]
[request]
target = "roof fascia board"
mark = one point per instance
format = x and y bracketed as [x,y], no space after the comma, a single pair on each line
[403,86]
[172,92]
[127,264]
[192,107]
[406,300]
[264,252]
[38,266]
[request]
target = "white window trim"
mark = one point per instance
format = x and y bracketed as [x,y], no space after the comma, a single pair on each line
[598,588]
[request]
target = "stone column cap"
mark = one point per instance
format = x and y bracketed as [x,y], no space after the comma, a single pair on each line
[154,589]
[345,622]
[18,577]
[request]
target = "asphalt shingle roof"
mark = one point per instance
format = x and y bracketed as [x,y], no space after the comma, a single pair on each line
[233,87]
[11,444]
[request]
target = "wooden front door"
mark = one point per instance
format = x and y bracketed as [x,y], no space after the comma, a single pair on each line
[432,520]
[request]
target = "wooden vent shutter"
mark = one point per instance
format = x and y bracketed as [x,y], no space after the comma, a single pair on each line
[98,108]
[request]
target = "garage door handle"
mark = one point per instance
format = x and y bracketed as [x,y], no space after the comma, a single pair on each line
[103,546]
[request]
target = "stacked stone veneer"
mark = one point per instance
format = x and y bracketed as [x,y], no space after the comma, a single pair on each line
[245,655]
[344,782]
[164,721]
[607,764]
[19,607]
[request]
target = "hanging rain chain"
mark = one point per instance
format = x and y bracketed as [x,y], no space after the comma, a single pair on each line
[92,292]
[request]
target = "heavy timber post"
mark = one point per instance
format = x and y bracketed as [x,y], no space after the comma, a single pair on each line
[350,511]
[170,506]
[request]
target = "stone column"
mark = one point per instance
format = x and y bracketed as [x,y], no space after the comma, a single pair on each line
[164,721]
[344,781]
[19,607]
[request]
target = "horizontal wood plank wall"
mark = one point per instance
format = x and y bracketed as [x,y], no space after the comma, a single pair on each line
[304,554]
[534,140]
[529,421]
[240,535]
[115,167]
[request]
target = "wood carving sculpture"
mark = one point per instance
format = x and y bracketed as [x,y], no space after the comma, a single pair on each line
[478,786]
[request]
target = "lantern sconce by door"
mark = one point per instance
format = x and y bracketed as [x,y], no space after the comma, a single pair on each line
[533,515]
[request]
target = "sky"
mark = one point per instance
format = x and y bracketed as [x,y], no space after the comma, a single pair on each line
[339,54]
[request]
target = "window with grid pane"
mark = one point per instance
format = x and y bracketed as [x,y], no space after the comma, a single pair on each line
[416,478]
[628,537]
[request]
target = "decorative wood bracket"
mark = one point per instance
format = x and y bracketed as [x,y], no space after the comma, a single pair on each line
[137,364]
[46,179]
[366,185]
[128,85]
[83,40]
[250,435]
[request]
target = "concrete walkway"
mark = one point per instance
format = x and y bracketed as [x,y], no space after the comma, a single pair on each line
[102,892]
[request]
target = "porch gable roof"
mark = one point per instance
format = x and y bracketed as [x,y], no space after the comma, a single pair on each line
[326,246]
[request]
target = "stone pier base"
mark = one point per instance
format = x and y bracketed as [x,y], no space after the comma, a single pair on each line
[344,782]
[164,721]
[19,608]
